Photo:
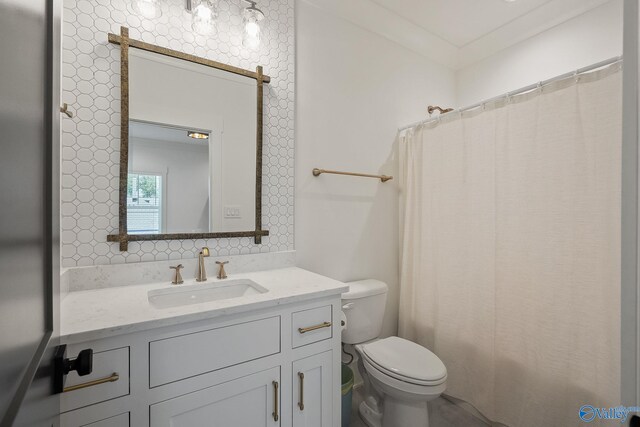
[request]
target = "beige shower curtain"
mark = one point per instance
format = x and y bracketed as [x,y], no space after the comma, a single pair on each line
[510,259]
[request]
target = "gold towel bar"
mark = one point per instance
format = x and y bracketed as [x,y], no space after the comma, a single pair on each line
[112,378]
[383,178]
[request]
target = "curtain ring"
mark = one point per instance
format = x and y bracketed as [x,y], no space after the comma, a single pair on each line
[576,76]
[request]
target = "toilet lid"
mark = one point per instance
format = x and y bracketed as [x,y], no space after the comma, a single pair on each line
[405,360]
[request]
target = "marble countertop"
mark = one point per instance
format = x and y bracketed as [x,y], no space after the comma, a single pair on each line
[100,313]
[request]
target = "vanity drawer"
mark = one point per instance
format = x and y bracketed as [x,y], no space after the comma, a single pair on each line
[121,420]
[311,326]
[105,364]
[176,358]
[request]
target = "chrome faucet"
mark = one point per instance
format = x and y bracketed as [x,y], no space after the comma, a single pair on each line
[177,278]
[221,273]
[202,273]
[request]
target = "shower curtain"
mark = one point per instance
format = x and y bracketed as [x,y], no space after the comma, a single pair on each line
[510,252]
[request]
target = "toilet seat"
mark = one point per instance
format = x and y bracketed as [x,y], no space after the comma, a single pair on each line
[405,361]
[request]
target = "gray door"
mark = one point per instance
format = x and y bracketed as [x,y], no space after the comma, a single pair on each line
[29,266]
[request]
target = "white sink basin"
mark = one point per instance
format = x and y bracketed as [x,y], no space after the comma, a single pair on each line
[195,294]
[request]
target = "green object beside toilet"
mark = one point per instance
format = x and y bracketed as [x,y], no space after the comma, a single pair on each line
[347,394]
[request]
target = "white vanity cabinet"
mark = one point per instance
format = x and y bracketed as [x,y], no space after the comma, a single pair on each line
[248,401]
[313,390]
[121,420]
[277,366]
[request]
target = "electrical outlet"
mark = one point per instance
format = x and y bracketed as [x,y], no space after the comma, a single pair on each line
[232,212]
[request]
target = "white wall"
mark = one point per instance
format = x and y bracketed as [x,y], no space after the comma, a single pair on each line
[589,38]
[185,168]
[353,90]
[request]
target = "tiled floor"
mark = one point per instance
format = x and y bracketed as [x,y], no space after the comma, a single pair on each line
[442,413]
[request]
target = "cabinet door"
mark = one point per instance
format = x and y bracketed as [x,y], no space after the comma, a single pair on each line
[121,420]
[251,401]
[75,419]
[313,391]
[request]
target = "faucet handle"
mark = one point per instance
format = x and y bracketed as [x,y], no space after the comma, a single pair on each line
[221,273]
[177,278]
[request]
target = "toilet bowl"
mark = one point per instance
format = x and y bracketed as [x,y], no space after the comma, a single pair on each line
[404,376]
[400,376]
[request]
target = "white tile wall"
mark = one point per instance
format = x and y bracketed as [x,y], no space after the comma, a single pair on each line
[90,141]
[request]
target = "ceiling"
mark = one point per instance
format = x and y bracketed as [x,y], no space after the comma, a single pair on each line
[460,22]
[156,132]
[457,33]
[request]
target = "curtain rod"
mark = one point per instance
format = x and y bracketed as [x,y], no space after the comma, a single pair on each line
[525,89]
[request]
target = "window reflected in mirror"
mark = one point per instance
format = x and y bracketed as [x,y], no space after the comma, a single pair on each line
[144,203]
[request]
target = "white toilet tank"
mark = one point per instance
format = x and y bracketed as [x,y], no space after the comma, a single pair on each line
[364,306]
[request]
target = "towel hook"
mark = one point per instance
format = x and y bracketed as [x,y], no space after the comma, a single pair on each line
[65,109]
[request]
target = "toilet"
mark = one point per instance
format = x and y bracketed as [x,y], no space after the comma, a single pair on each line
[400,376]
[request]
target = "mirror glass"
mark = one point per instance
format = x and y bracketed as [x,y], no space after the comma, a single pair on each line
[192,147]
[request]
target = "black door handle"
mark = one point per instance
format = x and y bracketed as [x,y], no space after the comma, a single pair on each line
[82,364]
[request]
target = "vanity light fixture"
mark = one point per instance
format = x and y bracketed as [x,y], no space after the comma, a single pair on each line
[251,17]
[197,135]
[204,14]
[149,9]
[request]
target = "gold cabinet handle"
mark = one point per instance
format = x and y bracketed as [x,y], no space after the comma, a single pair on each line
[313,328]
[276,417]
[301,402]
[110,379]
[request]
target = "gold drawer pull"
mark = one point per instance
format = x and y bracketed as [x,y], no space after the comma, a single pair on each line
[112,378]
[301,402]
[276,417]
[313,328]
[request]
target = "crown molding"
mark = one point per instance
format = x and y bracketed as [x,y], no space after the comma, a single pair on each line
[391,26]
[387,24]
[511,33]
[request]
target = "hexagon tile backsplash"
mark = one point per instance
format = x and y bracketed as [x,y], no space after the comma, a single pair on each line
[91,139]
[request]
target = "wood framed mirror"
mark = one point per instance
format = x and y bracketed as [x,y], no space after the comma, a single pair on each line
[190,146]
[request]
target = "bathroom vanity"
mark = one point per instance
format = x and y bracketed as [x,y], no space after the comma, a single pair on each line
[257,349]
